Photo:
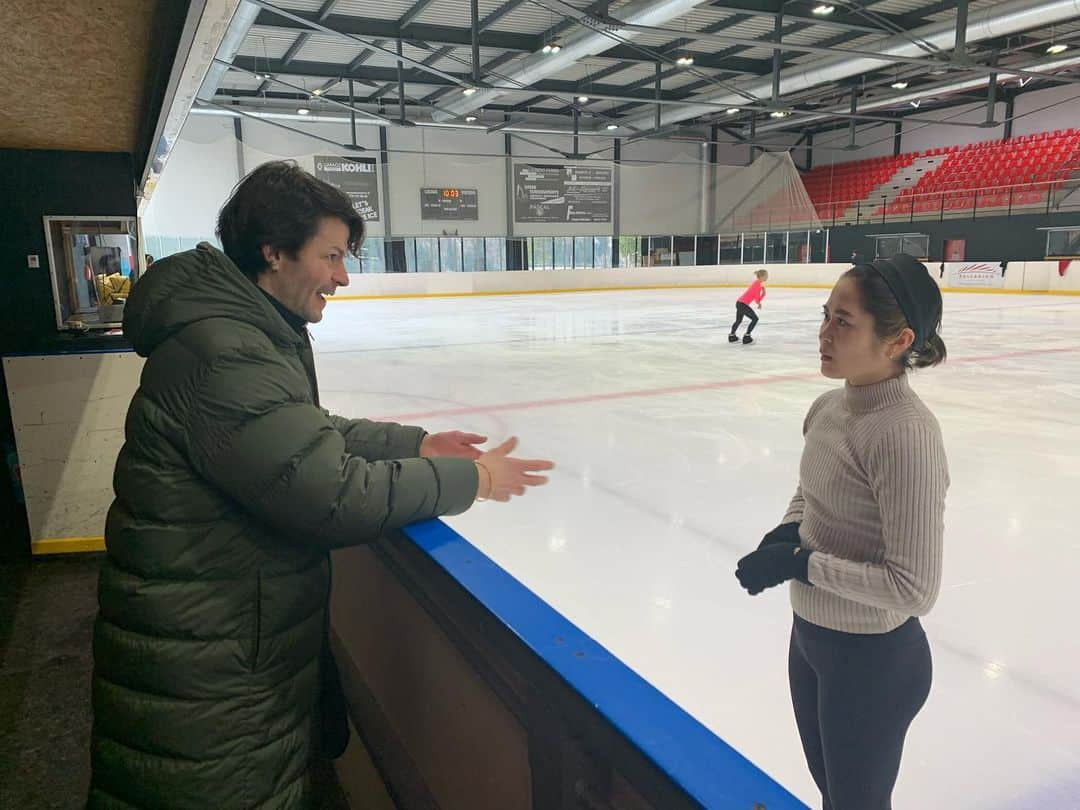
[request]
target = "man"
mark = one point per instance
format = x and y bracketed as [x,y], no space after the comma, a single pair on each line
[213,683]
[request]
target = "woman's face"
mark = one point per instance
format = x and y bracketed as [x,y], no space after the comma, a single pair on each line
[850,348]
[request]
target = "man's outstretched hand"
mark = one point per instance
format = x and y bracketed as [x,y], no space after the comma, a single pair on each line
[453,444]
[501,476]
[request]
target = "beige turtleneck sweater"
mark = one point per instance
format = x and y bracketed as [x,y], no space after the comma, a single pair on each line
[870,501]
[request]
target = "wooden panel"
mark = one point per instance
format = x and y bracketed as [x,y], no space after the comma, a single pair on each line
[68,414]
[75,73]
[428,714]
[457,708]
[359,778]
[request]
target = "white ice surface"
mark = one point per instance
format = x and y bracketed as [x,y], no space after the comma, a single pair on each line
[676,451]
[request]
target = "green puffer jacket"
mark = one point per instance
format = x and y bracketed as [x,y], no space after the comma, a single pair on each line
[231,487]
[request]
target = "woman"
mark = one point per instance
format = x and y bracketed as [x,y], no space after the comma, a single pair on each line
[862,539]
[754,294]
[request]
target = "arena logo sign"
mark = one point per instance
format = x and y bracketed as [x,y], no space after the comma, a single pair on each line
[357,178]
[349,166]
[975,274]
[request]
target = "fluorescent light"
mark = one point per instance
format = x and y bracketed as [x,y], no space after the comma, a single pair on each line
[317,91]
[1057,47]
[684,61]
[778,114]
[583,99]
[733,111]
[469,91]
[470,118]
[612,126]
[898,85]
[916,103]
[303,111]
[824,9]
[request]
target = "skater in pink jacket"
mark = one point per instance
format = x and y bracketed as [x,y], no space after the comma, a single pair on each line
[754,294]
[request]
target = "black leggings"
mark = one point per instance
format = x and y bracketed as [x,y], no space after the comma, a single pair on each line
[744,310]
[855,696]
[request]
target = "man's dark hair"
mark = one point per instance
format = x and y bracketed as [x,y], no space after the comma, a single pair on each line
[280,205]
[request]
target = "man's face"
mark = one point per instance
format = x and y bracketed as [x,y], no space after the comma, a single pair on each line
[302,282]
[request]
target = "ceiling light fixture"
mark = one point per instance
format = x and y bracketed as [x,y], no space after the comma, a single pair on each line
[824,10]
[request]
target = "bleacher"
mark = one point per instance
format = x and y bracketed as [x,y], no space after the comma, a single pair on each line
[1021,172]
[995,174]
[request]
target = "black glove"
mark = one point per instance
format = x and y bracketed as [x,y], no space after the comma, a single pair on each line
[787,533]
[772,565]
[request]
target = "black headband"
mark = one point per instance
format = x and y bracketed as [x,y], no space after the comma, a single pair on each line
[910,283]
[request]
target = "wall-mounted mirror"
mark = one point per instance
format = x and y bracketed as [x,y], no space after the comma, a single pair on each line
[93,263]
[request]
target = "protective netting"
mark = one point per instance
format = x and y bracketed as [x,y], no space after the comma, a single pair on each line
[767,195]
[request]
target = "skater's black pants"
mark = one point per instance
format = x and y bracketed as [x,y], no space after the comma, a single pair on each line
[744,311]
[855,696]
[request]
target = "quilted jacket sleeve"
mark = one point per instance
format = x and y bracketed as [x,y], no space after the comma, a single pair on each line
[252,433]
[377,441]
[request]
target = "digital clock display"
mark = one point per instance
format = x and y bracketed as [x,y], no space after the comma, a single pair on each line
[446,203]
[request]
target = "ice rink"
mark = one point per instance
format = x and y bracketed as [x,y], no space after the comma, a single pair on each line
[676,451]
